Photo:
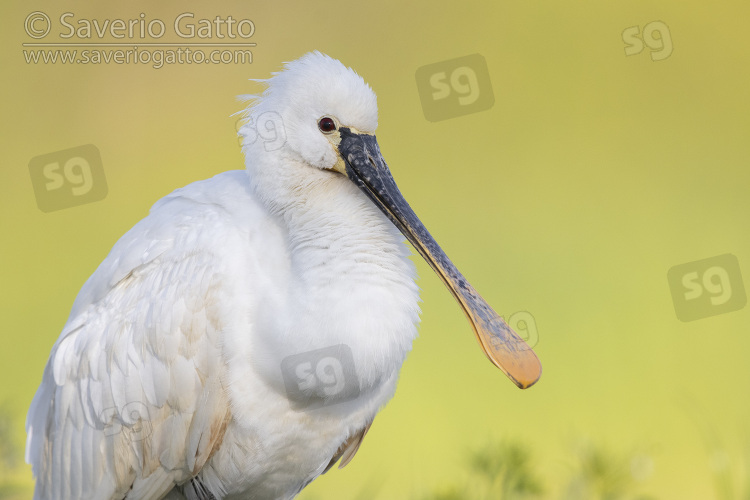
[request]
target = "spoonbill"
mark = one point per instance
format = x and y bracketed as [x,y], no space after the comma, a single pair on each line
[238,341]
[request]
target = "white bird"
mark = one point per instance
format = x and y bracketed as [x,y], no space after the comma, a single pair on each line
[239,340]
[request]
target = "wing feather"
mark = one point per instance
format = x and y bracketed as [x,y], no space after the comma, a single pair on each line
[348,448]
[131,402]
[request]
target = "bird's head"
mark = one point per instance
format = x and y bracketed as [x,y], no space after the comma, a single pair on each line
[305,106]
[318,114]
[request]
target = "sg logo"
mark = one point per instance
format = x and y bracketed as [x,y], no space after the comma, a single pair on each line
[68,178]
[524,324]
[320,378]
[661,46]
[267,126]
[133,418]
[454,88]
[707,287]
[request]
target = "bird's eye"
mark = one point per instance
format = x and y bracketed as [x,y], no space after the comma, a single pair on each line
[326,125]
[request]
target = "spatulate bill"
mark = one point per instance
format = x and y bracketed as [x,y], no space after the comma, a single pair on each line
[365,166]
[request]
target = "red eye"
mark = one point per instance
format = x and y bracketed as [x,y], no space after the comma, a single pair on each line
[326,125]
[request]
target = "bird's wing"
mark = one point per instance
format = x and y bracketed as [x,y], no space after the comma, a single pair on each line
[131,400]
[348,448]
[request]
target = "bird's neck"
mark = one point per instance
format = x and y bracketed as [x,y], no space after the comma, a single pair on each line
[350,280]
[354,276]
[335,231]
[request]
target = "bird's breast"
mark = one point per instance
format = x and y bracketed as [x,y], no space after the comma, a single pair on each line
[350,310]
[317,350]
[330,305]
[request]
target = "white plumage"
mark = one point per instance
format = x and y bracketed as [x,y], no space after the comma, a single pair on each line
[186,322]
[167,379]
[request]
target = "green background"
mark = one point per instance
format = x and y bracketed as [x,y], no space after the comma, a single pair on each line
[589,178]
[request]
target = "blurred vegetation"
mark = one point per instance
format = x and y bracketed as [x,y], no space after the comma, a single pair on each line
[731,478]
[505,470]
[10,457]
[600,474]
[502,470]
[728,466]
